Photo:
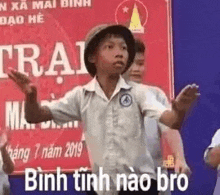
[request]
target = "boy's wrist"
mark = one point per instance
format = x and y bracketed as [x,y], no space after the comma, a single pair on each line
[180,115]
[31,93]
[31,97]
[177,108]
[3,148]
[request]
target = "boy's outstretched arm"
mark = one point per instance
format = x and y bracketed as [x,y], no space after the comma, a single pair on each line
[34,113]
[8,165]
[174,117]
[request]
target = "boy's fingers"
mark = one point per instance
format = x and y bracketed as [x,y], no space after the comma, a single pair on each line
[21,80]
[183,92]
[12,70]
[194,89]
[193,93]
[20,77]
[11,76]
[189,91]
[25,87]
[186,89]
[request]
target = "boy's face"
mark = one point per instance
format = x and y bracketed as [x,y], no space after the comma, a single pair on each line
[136,71]
[111,56]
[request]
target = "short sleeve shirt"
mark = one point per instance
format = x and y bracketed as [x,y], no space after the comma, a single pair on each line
[215,142]
[114,127]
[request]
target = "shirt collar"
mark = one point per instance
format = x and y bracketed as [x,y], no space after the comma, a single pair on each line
[93,84]
[90,86]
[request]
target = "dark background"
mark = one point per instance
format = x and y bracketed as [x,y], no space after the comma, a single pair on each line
[196,42]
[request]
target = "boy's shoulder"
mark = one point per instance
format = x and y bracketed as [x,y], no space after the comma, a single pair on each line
[143,87]
[137,86]
[156,90]
[143,91]
[139,90]
[90,86]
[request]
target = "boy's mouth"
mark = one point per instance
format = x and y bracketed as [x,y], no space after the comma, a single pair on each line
[135,77]
[119,63]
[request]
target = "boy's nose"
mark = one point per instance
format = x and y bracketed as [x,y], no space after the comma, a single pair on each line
[119,53]
[135,68]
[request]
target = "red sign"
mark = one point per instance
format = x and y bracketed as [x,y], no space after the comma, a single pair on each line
[45,40]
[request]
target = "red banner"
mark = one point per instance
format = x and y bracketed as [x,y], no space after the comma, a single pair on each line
[45,40]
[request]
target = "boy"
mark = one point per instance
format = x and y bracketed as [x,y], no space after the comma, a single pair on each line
[212,157]
[111,109]
[155,130]
[6,165]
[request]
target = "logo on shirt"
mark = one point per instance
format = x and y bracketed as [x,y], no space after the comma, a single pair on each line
[126,100]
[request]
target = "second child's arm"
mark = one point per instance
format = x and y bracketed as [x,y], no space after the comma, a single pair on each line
[34,113]
[175,142]
[213,157]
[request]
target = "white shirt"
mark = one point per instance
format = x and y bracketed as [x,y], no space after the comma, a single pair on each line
[3,177]
[215,142]
[114,127]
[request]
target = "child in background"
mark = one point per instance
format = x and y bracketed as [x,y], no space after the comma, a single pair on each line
[155,130]
[6,165]
[112,109]
[212,158]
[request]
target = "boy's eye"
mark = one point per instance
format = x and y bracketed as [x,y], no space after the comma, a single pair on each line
[140,64]
[124,47]
[109,46]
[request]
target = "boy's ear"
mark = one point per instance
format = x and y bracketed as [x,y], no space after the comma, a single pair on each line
[91,59]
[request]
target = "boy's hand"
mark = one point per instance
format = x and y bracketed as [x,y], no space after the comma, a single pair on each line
[24,83]
[186,97]
[21,80]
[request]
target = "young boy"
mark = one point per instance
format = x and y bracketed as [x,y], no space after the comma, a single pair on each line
[112,110]
[6,165]
[155,130]
[212,157]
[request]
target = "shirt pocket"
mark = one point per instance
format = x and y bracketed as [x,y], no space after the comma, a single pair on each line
[129,122]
